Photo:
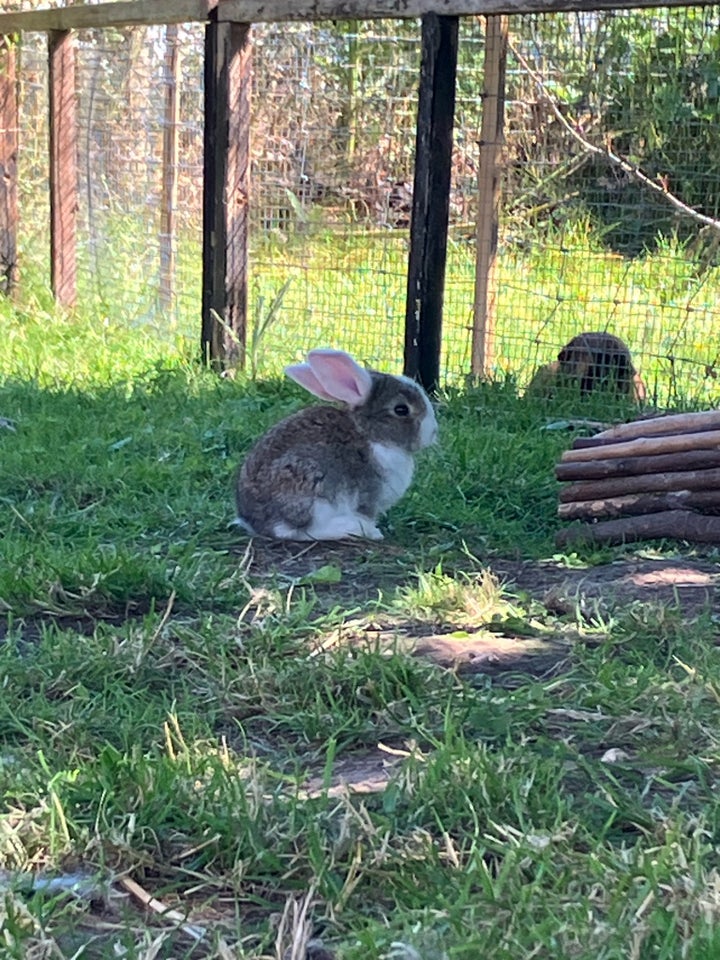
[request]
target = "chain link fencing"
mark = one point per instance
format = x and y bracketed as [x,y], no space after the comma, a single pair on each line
[610,188]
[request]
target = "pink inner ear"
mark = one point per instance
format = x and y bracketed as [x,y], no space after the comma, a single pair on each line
[340,376]
[302,373]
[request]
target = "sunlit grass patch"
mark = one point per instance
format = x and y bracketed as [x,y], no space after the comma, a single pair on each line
[468,598]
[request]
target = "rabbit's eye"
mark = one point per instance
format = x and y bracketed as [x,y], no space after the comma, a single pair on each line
[402,410]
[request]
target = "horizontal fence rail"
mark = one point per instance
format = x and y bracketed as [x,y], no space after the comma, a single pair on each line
[127,13]
[276,11]
[148,12]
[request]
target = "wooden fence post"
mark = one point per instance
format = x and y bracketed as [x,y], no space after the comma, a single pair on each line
[8,166]
[431,199]
[168,202]
[488,216]
[226,188]
[63,166]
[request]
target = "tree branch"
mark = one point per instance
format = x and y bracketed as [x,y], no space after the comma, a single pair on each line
[657,187]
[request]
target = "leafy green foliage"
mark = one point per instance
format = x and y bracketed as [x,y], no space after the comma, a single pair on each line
[642,83]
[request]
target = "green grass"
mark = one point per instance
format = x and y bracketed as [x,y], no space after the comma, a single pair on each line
[664,303]
[177,709]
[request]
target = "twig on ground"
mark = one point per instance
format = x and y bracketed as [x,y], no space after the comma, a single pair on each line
[163,621]
[670,524]
[157,906]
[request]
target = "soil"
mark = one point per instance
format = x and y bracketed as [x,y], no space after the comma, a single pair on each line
[689,585]
[352,574]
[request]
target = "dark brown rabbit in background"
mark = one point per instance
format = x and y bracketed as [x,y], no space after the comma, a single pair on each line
[328,472]
[590,362]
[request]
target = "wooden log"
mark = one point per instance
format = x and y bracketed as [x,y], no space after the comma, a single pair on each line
[489,192]
[648,446]
[63,167]
[670,524]
[620,486]
[171,152]
[8,166]
[431,200]
[637,466]
[634,504]
[226,189]
[654,427]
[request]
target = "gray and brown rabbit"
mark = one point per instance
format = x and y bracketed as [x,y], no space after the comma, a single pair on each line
[328,472]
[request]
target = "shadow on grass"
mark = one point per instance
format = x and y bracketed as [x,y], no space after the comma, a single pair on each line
[115,503]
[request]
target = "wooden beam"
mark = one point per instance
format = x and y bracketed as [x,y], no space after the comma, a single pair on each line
[708,479]
[63,166]
[226,189]
[661,426]
[147,12]
[171,144]
[636,466]
[489,195]
[274,11]
[431,200]
[122,14]
[8,166]
[637,504]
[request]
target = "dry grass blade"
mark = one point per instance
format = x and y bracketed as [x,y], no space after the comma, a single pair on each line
[294,931]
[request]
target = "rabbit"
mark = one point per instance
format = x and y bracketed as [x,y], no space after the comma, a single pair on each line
[589,362]
[326,472]
[600,361]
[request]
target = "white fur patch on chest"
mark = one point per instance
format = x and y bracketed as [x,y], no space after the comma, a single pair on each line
[396,467]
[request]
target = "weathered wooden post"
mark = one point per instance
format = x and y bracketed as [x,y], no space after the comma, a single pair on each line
[488,216]
[168,201]
[226,171]
[431,199]
[63,166]
[8,166]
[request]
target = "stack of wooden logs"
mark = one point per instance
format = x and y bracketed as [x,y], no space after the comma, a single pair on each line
[649,479]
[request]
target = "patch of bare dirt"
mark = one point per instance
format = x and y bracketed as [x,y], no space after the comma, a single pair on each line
[361,772]
[352,571]
[691,586]
[466,651]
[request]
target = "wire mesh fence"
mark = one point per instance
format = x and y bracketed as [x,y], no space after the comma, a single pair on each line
[610,204]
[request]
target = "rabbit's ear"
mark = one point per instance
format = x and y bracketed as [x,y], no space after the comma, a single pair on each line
[333,375]
[341,376]
[302,373]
